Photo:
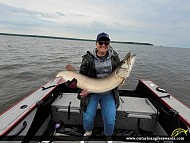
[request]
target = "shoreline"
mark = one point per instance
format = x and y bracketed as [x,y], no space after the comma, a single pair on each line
[55,37]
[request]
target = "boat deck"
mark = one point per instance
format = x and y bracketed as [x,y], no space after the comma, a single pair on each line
[136,116]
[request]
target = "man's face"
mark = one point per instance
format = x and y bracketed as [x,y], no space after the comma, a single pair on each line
[102,46]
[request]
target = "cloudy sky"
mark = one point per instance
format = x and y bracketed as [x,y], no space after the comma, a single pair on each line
[161,22]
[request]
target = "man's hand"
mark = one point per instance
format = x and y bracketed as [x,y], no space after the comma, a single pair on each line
[71,84]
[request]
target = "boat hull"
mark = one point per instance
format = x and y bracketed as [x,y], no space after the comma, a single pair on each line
[35,113]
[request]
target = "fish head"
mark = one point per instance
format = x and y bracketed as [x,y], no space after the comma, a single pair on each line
[126,66]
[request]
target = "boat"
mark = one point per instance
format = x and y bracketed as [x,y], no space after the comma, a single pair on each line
[52,113]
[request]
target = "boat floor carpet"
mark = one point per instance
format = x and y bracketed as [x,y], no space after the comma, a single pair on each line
[75,133]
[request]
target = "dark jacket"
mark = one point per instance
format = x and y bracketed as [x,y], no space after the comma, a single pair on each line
[88,68]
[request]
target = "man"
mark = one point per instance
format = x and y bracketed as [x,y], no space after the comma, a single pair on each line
[99,64]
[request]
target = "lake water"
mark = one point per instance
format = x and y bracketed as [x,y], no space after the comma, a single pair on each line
[27,63]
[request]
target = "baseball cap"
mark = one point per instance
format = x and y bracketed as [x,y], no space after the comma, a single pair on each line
[103,36]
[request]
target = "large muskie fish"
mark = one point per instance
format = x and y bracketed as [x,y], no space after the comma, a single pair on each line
[94,85]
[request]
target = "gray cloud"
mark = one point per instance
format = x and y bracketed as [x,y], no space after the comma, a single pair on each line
[13,11]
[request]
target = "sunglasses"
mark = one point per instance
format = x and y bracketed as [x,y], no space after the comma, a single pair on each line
[106,43]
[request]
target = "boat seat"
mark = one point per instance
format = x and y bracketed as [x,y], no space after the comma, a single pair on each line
[135,107]
[131,109]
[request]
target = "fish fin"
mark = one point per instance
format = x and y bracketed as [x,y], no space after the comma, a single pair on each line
[84,93]
[71,84]
[122,82]
[69,67]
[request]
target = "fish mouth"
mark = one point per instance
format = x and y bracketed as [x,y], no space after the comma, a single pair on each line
[129,58]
